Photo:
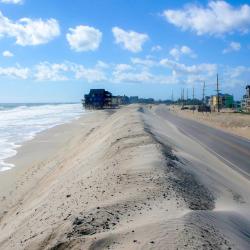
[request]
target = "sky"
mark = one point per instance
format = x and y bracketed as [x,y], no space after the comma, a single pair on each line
[55,51]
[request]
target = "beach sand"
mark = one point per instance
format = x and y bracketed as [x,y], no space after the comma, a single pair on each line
[121,179]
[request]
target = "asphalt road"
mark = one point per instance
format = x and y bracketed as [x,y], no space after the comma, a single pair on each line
[233,150]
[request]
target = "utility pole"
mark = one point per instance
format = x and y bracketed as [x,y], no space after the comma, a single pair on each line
[183,96]
[218,93]
[187,95]
[203,93]
[193,100]
[172,96]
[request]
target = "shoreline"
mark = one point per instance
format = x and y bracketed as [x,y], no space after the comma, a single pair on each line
[123,179]
[43,147]
[39,138]
[22,123]
[9,161]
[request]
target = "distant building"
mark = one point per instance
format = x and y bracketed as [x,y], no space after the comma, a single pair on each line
[237,105]
[115,101]
[228,101]
[133,99]
[146,100]
[120,100]
[245,103]
[97,99]
[224,101]
[125,100]
[136,99]
[207,100]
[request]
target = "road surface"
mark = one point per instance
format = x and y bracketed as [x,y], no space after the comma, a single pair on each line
[233,150]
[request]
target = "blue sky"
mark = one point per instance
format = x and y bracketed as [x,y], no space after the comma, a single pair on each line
[56,50]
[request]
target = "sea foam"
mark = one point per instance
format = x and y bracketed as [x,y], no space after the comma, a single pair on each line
[19,123]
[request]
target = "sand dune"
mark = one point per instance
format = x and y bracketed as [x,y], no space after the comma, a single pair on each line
[121,180]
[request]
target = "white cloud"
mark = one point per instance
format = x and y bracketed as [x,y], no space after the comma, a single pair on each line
[237,72]
[16,72]
[156,48]
[143,62]
[130,40]
[28,31]
[185,50]
[210,69]
[7,53]
[88,74]
[84,38]
[205,68]
[122,67]
[102,65]
[233,46]
[144,76]
[235,76]
[51,72]
[139,72]
[46,71]
[165,71]
[218,18]
[177,52]
[12,1]
[132,77]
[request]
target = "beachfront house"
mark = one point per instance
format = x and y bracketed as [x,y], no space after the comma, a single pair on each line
[97,99]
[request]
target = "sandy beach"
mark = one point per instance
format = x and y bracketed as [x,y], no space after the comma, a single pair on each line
[121,179]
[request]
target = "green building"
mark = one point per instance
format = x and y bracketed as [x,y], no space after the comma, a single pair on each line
[228,101]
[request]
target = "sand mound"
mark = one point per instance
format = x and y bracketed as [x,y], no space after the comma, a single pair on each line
[121,182]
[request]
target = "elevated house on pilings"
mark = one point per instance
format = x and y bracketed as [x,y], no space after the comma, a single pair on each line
[98,99]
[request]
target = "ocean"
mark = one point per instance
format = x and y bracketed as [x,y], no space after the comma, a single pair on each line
[21,122]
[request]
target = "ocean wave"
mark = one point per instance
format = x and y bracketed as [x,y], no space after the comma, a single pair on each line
[21,123]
